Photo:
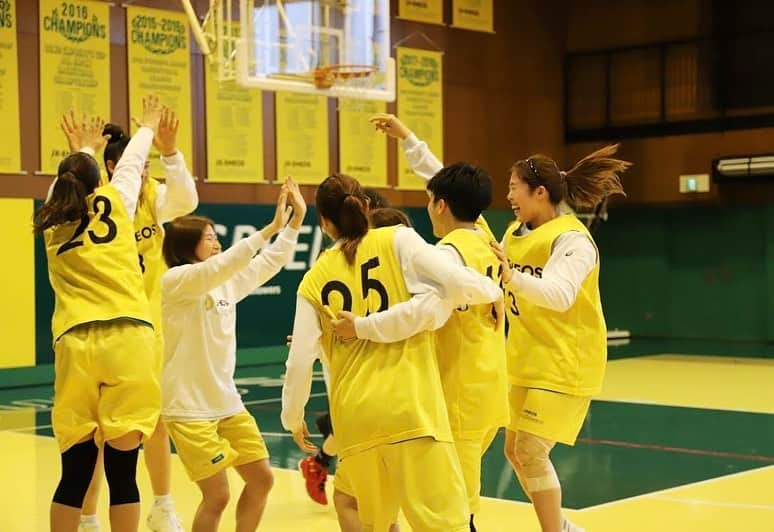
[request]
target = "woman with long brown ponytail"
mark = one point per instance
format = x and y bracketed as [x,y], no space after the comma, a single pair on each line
[557,340]
[387,406]
[105,390]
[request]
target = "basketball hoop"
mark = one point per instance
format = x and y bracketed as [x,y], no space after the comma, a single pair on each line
[356,79]
[327,77]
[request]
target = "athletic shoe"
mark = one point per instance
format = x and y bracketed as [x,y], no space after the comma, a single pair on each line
[315,476]
[568,526]
[164,519]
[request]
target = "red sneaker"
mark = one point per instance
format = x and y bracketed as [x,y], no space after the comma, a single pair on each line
[315,476]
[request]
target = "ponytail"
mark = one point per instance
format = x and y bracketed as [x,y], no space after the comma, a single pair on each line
[67,203]
[594,178]
[117,142]
[77,177]
[591,180]
[341,200]
[353,226]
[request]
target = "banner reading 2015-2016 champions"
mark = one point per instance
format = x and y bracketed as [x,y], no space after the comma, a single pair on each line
[160,64]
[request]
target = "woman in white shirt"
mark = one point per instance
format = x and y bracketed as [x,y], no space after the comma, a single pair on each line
[201,406]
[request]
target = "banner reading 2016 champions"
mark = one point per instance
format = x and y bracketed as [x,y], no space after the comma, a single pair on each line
[160,64]
[10,145]
[74,69]
[420,105]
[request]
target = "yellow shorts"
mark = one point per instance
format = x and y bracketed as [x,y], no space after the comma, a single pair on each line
[104,382]
[421,476]
[555,416]
[158,347]
[341,480]
[470,452]
[207,447]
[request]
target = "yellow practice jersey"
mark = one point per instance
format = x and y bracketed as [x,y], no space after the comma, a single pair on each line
[471,352]
[380,393]
[560,351]
[482,225]
[149,236]
[93,268]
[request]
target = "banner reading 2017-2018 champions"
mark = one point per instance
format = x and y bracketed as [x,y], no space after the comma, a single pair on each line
[420,105]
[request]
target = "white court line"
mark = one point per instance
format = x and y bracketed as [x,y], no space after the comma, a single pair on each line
[652,494]
[273,399]
[267,434]
[246,403]
[675,405]
[769,507]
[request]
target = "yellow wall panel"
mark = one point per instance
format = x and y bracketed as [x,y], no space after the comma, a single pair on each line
[17,311]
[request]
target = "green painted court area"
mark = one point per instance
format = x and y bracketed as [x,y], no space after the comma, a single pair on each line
[624,450]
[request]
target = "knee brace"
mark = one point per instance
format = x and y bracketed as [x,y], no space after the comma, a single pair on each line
[532,455]
[121,471]
[77,469]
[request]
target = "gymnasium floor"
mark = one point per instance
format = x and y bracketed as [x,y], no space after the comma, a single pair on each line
[676,442]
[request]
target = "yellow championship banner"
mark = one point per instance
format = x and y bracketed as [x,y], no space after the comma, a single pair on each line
[420,105]
[476,15]
[302,137]
[234,130]
[362,149]
[160,63]
[74,69]
[10,142]
[429,11]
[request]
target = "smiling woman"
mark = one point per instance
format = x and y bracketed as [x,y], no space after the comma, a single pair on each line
[202,407]
[557,341]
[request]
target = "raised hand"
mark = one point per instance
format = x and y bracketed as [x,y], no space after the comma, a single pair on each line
[283,210]
[85,132]
[165,140]
[151,113]
[296,200]
[391,125]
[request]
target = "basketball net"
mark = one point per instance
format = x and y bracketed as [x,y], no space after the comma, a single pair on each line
[357,78]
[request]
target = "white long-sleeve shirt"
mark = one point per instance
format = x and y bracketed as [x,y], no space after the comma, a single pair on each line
[176,197]
[423,312]
[425,268]
[419,157]
[199,316]
[571,261]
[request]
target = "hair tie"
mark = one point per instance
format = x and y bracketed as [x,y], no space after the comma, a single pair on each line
[563,174]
